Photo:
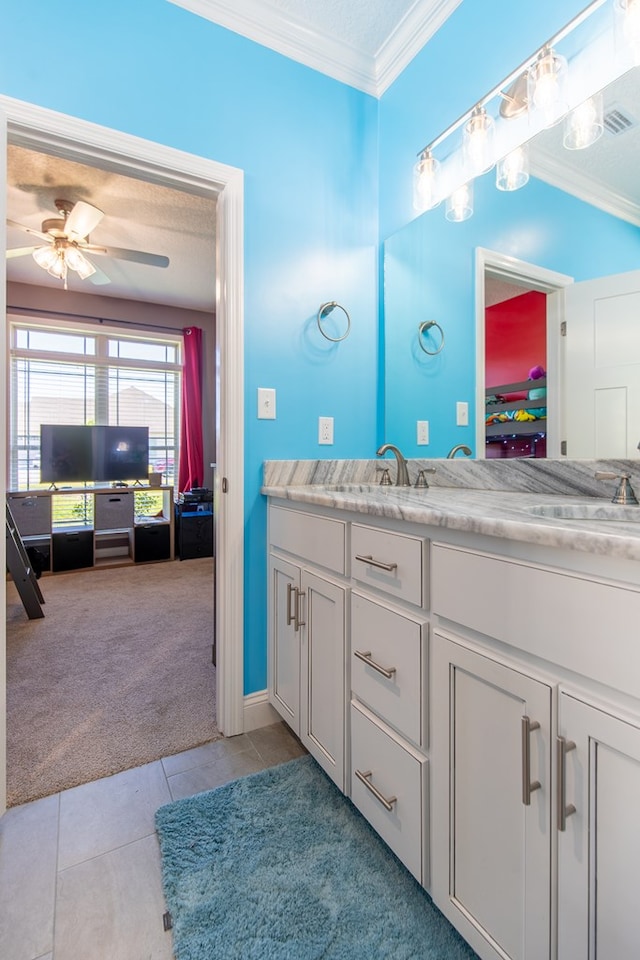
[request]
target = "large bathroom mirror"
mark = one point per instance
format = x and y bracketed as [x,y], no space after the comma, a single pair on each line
[576,220]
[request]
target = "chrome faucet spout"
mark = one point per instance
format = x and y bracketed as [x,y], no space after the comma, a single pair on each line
[402,478]
[460,448]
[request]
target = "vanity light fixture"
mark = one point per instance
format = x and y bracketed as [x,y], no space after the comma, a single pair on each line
[477,142]
[584,125]
[547,88]
[460,203]
[627,17]
[425,182]
[512,171]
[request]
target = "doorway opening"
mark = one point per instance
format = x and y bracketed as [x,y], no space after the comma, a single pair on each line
[66,137]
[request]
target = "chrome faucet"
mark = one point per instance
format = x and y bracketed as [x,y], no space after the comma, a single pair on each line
[460,448]
[402,478]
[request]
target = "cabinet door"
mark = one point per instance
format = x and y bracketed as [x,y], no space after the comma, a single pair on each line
[491,778]
[322,671]
[284,646]
[599,849]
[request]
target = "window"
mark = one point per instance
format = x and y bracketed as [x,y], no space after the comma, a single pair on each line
[66,373]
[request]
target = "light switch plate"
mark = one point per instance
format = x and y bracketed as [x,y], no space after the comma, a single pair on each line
[462,413]
[266,403]
[422,432]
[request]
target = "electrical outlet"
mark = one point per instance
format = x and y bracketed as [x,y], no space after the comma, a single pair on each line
[266,403]
[422,432]
[325,429]
[462,413]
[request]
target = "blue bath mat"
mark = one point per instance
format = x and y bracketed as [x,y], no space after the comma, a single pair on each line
[280,866]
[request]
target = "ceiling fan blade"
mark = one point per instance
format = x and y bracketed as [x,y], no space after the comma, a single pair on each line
[136,256]
[20,252]
[82,220]
[98,278]
[36,233]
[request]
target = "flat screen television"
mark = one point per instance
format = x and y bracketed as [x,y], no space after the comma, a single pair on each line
[66,453]
[81,454]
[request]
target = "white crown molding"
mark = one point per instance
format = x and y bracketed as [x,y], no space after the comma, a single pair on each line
[412,33]
[580,185]
[324,52]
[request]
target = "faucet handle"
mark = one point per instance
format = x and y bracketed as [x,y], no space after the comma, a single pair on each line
[385,479]
[422,477]
[625,492]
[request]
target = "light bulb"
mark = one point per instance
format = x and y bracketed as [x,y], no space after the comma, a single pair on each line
[78,262]
[584,125]
[512,171]
[547,88]
[477,142]
[460,203]
[425,182]
[627,26]
[58,268]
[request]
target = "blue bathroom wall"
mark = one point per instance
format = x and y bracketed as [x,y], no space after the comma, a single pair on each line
[308,146]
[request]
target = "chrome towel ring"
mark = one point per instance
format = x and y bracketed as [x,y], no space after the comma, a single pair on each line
[423,328]
[324,312]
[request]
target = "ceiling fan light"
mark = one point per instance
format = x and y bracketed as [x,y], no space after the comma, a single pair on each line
[477,142]
[512,171]
[85,269]
[58,268]
[460,203]
[45,257]
[627,27]
[547,87]
[78,262]
[584,125]
[425,182]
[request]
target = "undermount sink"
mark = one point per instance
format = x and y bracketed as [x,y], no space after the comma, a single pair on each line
[587,511]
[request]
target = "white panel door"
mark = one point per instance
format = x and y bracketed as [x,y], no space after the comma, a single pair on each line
[322,672]
[599,849]
[601,376]
[284,646]
[491,869]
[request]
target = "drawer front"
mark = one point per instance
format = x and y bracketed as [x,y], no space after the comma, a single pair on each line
[32,515]
[399,776]
[388,664]
[318,539]
[387,561]
[570,619]
[113,510]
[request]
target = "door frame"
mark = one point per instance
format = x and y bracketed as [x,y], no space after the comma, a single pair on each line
[535,278]
[36,127]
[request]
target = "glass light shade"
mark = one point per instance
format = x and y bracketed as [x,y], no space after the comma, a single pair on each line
[58,268]
[45,257]
[78,262]
[460,203]
[512,171]
[477,142]
[547,88]
[627,26]
[584,125]
[425,183]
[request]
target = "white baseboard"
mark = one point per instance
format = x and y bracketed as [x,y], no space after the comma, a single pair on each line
[258,712]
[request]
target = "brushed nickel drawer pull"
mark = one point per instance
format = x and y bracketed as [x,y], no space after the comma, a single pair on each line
[290,615]
[564,809]
[387,672]
[377,563]
[366,779]
[527,728]
[299,622]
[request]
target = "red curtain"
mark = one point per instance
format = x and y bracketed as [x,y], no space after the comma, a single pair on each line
[191,472]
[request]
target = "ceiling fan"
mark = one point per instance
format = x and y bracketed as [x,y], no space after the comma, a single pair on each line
[66,243]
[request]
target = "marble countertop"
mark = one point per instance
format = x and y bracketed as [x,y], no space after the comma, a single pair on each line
[496,513]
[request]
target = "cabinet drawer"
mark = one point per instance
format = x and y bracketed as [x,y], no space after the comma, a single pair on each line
[398,774]
[112,510]
[567,618]
[317,539]
[393,683]
[32,515]
[391,562]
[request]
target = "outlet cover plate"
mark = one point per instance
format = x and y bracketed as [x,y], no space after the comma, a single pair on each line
[422,432]
[325,429]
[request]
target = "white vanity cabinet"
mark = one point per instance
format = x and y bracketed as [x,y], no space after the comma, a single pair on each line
[307,611]
[491,801]
[598,758]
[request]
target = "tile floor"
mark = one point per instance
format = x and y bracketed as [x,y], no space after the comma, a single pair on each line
[80,870]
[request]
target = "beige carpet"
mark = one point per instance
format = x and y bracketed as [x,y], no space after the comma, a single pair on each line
[117,673]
